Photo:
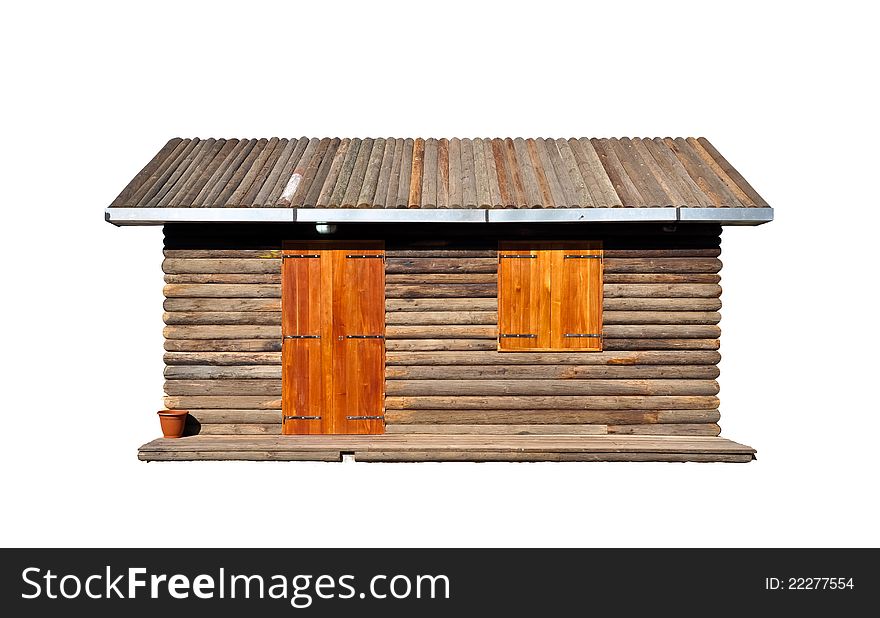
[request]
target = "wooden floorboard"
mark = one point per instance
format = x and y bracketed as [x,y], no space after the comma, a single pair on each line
[432,447]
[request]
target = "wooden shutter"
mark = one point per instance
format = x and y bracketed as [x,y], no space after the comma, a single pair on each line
[303,357]
[523,297]
[333,351]
[550,296]
[358,317]
[576,293]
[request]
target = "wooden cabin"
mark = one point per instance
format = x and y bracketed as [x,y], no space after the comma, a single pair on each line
[439,300]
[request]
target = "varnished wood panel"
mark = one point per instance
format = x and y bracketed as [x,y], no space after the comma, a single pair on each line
[333,296]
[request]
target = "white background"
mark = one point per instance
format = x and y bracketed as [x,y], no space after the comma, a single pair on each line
[92,90]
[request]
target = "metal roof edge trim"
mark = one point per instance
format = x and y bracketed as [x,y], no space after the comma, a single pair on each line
[726,216]
[159,216]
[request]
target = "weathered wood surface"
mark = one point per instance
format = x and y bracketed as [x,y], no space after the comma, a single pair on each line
[416,345]
[480,172]
[532,372]
[224,278]
[621,358]
[223,314]
[610,304]
[223,372]
[433,447]
[551,402]
[261,387]
[247,305]
[235,402]
[666,429]
[512,387]
[550,417]
[222,317]
[183,290]
[223,345]
[223,358]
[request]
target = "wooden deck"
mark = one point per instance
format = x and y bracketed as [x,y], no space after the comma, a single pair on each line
[426,447]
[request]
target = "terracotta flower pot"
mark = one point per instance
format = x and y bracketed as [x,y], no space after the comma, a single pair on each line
[172,422]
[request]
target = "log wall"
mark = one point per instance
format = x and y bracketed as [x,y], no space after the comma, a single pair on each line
[656,375]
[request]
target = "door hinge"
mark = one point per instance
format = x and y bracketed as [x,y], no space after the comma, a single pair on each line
[284,419]
[300,255]
[365,336]
[591,335]
[582,257]
[518,336]
[366,257]
[301,337]
[364,418]
[520,257]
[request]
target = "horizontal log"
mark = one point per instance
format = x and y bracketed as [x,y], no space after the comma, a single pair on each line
[264,388]
[223,253]
[222,317]
[549,417]
[213,372]
[181,402]
[529,388]
[443,290]
[660,317]
[499,430]
[537,372]
[243,416]
[424,318]
[560,402]
[232,429]
[433,278]
[445,331]
[613,331]
[434,345]
[439,318]
[217,290]
[440,304]
[662,265]
[658,278]
[174,266]
[441,265]
[223,331]
[661,331]
[661,304]
[667,429]
[224,278]
[652,290]
[222,304]
[225,345]
[695,357]
[223,358]
[610,304]
[661,344]
[426,345]
[663,253]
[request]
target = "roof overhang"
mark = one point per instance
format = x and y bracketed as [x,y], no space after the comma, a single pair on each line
[160,216]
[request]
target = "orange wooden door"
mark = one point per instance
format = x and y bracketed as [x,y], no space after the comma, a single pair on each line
[303,353]
[576,308]
[333,323]
[358,340]
[524,301]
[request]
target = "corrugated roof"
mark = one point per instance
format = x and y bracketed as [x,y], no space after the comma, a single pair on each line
[438,173]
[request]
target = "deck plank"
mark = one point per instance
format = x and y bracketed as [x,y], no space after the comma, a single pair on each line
[433,447]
